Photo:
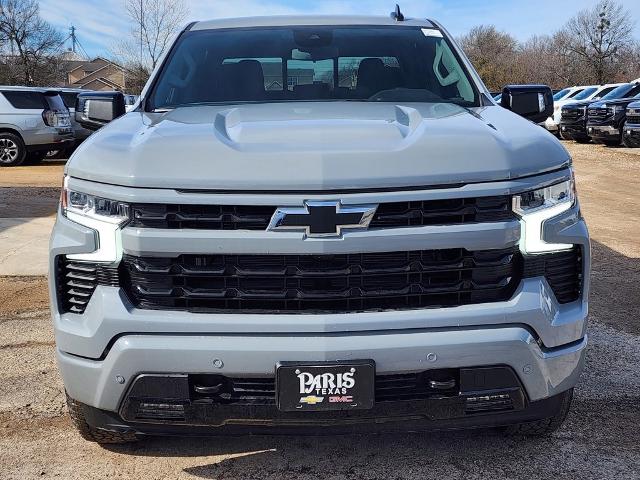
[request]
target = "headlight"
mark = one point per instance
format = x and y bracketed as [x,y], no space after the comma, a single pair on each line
[539,205]
[104,216]
[619,108]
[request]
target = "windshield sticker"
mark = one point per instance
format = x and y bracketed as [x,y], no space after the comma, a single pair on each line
[431,32]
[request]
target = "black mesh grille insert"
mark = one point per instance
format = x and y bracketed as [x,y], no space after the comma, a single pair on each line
[76,282]
[388,215]
[322,283]
[633,119]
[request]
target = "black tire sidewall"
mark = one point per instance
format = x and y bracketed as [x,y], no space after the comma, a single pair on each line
[22,150]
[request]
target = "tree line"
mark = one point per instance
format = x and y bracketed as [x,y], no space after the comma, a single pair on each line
[595,46]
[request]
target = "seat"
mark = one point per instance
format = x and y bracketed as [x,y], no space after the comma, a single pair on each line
[372,77]
[242,81]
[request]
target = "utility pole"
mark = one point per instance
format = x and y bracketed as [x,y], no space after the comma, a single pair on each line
[74,40]
[141,27]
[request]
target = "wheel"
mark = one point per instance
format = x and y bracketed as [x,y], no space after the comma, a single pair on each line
[545,426]
[33,158]
[12,150]
[92,434]
[612,143]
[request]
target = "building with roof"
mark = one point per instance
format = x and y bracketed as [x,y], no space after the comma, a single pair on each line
[98,74]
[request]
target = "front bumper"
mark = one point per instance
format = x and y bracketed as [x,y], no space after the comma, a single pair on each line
[574,131]
[551,124]
[602,133]
[469,409]
[631,135]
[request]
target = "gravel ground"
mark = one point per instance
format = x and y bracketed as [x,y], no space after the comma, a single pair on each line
[599,440]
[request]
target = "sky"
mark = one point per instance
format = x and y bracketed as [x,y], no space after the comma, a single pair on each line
[100,23]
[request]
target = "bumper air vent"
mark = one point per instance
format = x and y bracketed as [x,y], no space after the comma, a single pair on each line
[563,271]
[76,282]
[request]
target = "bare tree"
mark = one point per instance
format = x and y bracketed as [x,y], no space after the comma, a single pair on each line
[600,37]
[492,53]
[154,24]
[30,44]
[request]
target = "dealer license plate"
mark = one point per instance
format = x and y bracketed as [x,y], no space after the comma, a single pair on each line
[348,385]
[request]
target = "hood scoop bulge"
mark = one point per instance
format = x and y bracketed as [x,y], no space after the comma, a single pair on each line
[307,128]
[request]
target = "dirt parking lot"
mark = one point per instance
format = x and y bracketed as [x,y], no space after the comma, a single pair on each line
[599,440]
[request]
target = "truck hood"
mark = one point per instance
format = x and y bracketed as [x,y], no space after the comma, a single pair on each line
[579,103]
[618,101]
[316,146]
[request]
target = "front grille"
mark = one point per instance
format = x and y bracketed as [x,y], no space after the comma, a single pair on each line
[331,283]
[76,282]
[563,271]
[443,212]
[388,215]
[599,113]
[322,283]
[572,113]
[633,119]
[207,217]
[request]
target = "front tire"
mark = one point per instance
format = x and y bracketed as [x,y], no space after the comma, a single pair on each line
[545,426]
[12,150]
[92,434]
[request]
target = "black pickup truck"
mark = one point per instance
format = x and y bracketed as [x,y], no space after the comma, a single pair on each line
[574,116]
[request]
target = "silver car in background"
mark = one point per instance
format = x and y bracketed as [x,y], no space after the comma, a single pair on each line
[33,121]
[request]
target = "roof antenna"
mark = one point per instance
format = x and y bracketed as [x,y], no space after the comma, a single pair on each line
[397,14]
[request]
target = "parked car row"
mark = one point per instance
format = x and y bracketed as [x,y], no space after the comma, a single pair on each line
[39,122]
[599,114]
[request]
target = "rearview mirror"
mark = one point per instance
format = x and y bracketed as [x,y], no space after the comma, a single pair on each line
[533,102]
[96,109]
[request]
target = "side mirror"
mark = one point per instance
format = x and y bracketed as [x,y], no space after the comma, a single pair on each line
[96,109]
[533,102]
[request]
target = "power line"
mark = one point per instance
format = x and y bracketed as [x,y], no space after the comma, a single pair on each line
[83,50]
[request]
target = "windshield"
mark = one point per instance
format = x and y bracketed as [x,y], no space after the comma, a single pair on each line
[618,92]
[586,93]
[561,94]
[385,64]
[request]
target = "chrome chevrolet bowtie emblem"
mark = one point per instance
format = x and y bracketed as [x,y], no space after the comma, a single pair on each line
[322,219]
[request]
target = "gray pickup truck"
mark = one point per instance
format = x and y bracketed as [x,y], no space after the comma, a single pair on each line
[318,223]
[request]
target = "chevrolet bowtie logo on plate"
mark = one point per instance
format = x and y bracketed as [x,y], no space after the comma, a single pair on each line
[322,219]
[311,399]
